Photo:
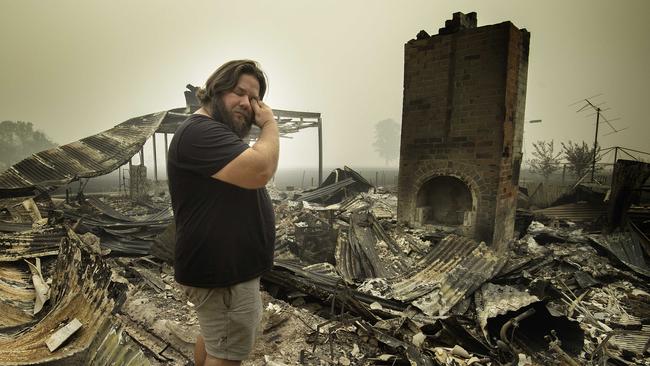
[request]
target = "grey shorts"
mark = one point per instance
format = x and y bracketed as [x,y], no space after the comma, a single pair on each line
[229,317]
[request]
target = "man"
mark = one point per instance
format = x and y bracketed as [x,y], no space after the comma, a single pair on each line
[225,227]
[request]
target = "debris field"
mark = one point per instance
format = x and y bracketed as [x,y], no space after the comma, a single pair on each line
[91,281]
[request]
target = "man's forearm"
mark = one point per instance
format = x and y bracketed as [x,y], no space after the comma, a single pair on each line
[268,145]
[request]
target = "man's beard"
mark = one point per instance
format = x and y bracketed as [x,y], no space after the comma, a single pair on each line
[241,129]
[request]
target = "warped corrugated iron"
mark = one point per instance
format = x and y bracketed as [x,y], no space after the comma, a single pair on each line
[576,212]
[16,294]
[122,233]
[322,284]
[12,201]
[30,244]
[112,346]
[338,175]
[324,194]
[356,254]
[635,341]
[83,288]
[86,158]
[12,227]
[451,271]
[164,215]
[626,247]
[339,185]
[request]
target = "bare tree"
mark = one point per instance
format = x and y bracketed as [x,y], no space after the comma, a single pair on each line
[387,137]
[545,161]
[580,157]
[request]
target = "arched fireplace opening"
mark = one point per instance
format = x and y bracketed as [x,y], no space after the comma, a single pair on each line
[445,200]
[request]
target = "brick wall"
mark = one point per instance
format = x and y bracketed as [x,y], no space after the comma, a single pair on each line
[462,116]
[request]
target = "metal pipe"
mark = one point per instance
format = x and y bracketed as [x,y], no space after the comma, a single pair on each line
[514,322]
[320,151]
[593,163]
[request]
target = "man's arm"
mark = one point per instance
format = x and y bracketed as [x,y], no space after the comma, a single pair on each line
[256,165]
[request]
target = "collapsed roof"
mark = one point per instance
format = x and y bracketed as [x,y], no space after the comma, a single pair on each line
[89,157]
[106,151]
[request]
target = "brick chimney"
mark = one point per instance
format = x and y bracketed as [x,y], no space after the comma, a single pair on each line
[462,128]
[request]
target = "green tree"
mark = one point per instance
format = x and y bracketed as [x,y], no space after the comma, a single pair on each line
[387,139]
[545,161]
[580,157]
[19,140]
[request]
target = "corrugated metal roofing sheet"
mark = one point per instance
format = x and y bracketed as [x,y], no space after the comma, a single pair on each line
[122,233]
[89,157]
[16,294]
[577,212]
[9,227]
[635,341]
[83,288]
[112,346]
[626,247]
[324,193]
[452,270]
[165,215]
[30,244]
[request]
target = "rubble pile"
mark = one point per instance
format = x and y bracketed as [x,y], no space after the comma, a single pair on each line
[554,298]
[91,281]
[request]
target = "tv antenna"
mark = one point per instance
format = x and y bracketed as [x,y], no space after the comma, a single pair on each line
[598,112]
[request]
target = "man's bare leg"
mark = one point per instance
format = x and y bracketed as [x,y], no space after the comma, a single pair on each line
[202,358]
[211,361]
[199,351]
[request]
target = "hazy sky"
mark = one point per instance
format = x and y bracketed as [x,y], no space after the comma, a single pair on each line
[75,68]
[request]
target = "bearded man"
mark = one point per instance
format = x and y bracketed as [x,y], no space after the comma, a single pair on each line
[225,227]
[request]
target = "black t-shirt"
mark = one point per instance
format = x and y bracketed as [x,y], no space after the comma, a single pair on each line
[224,234]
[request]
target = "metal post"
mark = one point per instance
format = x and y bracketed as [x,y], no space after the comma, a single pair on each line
[320,151]
[124,182]
[131,177]
[166,153]
[155,158]
[615,154]
[593,163]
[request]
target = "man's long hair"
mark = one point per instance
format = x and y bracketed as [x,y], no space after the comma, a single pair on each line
[225,79]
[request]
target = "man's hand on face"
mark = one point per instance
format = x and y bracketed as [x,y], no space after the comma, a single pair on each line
[263,113]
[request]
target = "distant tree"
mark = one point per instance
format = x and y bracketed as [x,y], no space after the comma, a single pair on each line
[580,157]
[387,139]
[19,140]
[545,161]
